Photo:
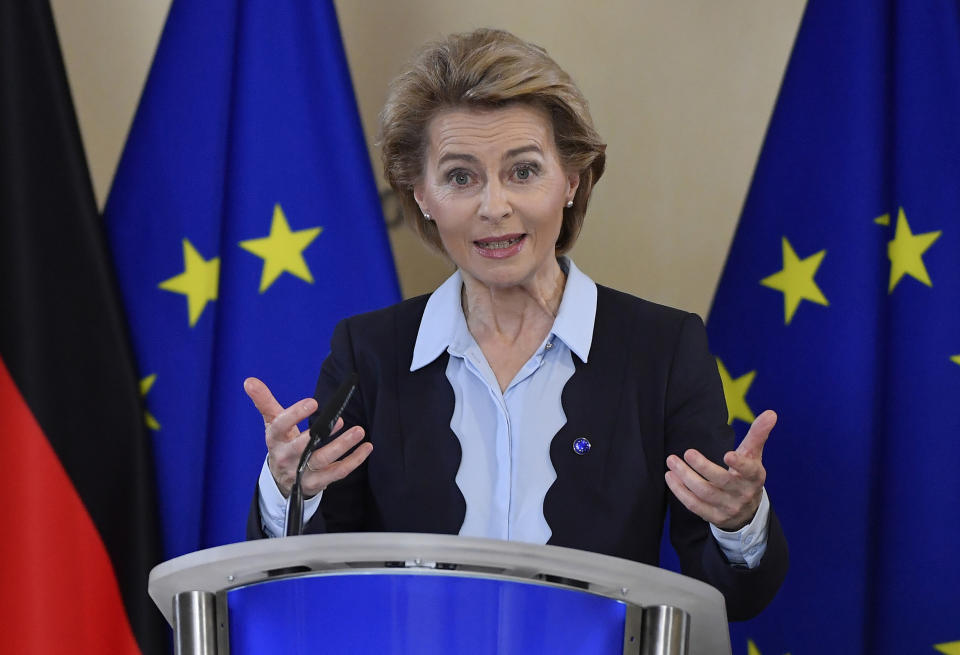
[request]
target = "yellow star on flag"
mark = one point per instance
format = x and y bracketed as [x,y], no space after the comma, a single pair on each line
[796,280]
[906,253]
[955,359]
[949,648]
[735,392]
[198,282]
[282,250]
[145,385]
[752,648]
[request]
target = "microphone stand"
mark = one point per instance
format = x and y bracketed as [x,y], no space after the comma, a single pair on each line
[322,426]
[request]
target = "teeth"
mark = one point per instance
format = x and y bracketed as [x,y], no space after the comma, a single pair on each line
[499,244]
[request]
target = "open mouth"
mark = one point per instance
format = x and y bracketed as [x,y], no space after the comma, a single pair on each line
[500,247]
[500,243]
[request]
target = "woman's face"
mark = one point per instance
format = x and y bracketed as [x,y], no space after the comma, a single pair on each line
[495,186]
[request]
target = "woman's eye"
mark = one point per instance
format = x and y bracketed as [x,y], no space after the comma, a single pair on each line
[460,178]
[524,172]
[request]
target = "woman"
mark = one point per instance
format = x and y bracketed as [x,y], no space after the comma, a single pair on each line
[521,400]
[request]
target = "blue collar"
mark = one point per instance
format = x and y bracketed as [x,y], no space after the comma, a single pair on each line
[443,325]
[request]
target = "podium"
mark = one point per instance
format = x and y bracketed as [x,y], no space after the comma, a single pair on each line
[406,594]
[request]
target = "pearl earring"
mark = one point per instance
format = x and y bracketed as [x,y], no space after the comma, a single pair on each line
[569,204]
[427,216]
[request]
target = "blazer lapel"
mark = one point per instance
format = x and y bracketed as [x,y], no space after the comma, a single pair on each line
[430,451]
[593,400]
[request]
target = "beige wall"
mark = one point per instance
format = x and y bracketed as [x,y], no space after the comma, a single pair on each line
[681,90]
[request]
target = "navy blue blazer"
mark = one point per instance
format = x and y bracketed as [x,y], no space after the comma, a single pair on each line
[650,388]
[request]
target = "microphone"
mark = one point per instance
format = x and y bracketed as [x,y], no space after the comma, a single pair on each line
[321,427]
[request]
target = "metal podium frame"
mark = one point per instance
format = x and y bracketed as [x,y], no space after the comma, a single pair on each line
[667,613]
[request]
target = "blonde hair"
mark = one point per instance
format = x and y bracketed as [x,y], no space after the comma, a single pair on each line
[485,69]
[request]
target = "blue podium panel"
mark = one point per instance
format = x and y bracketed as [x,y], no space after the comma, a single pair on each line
[420,614]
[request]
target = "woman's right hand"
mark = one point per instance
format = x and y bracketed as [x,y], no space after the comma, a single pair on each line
[285,443]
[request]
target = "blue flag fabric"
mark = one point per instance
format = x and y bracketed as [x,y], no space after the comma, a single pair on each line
[244,222]
[839,307]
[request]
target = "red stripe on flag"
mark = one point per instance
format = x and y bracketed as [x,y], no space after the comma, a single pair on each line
[58,592]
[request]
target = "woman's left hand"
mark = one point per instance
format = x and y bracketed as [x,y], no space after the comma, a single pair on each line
[727,498]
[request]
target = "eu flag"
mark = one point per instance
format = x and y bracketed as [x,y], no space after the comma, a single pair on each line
[244,222]
[840,308]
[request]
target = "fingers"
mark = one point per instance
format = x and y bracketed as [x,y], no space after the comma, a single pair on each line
[336,448]
[729,507]
[326,466]
[746,467]
[342,468]
[690,500]
[283,427]
[285,442]
[323,466]
[704,480]
[726,511]
[752,444]
[703,476]
[726,498]
[262,399]
[695,460]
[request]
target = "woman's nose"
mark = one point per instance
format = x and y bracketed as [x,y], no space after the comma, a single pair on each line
[495,205]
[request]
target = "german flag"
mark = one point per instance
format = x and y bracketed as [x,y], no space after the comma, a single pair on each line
[77,482]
